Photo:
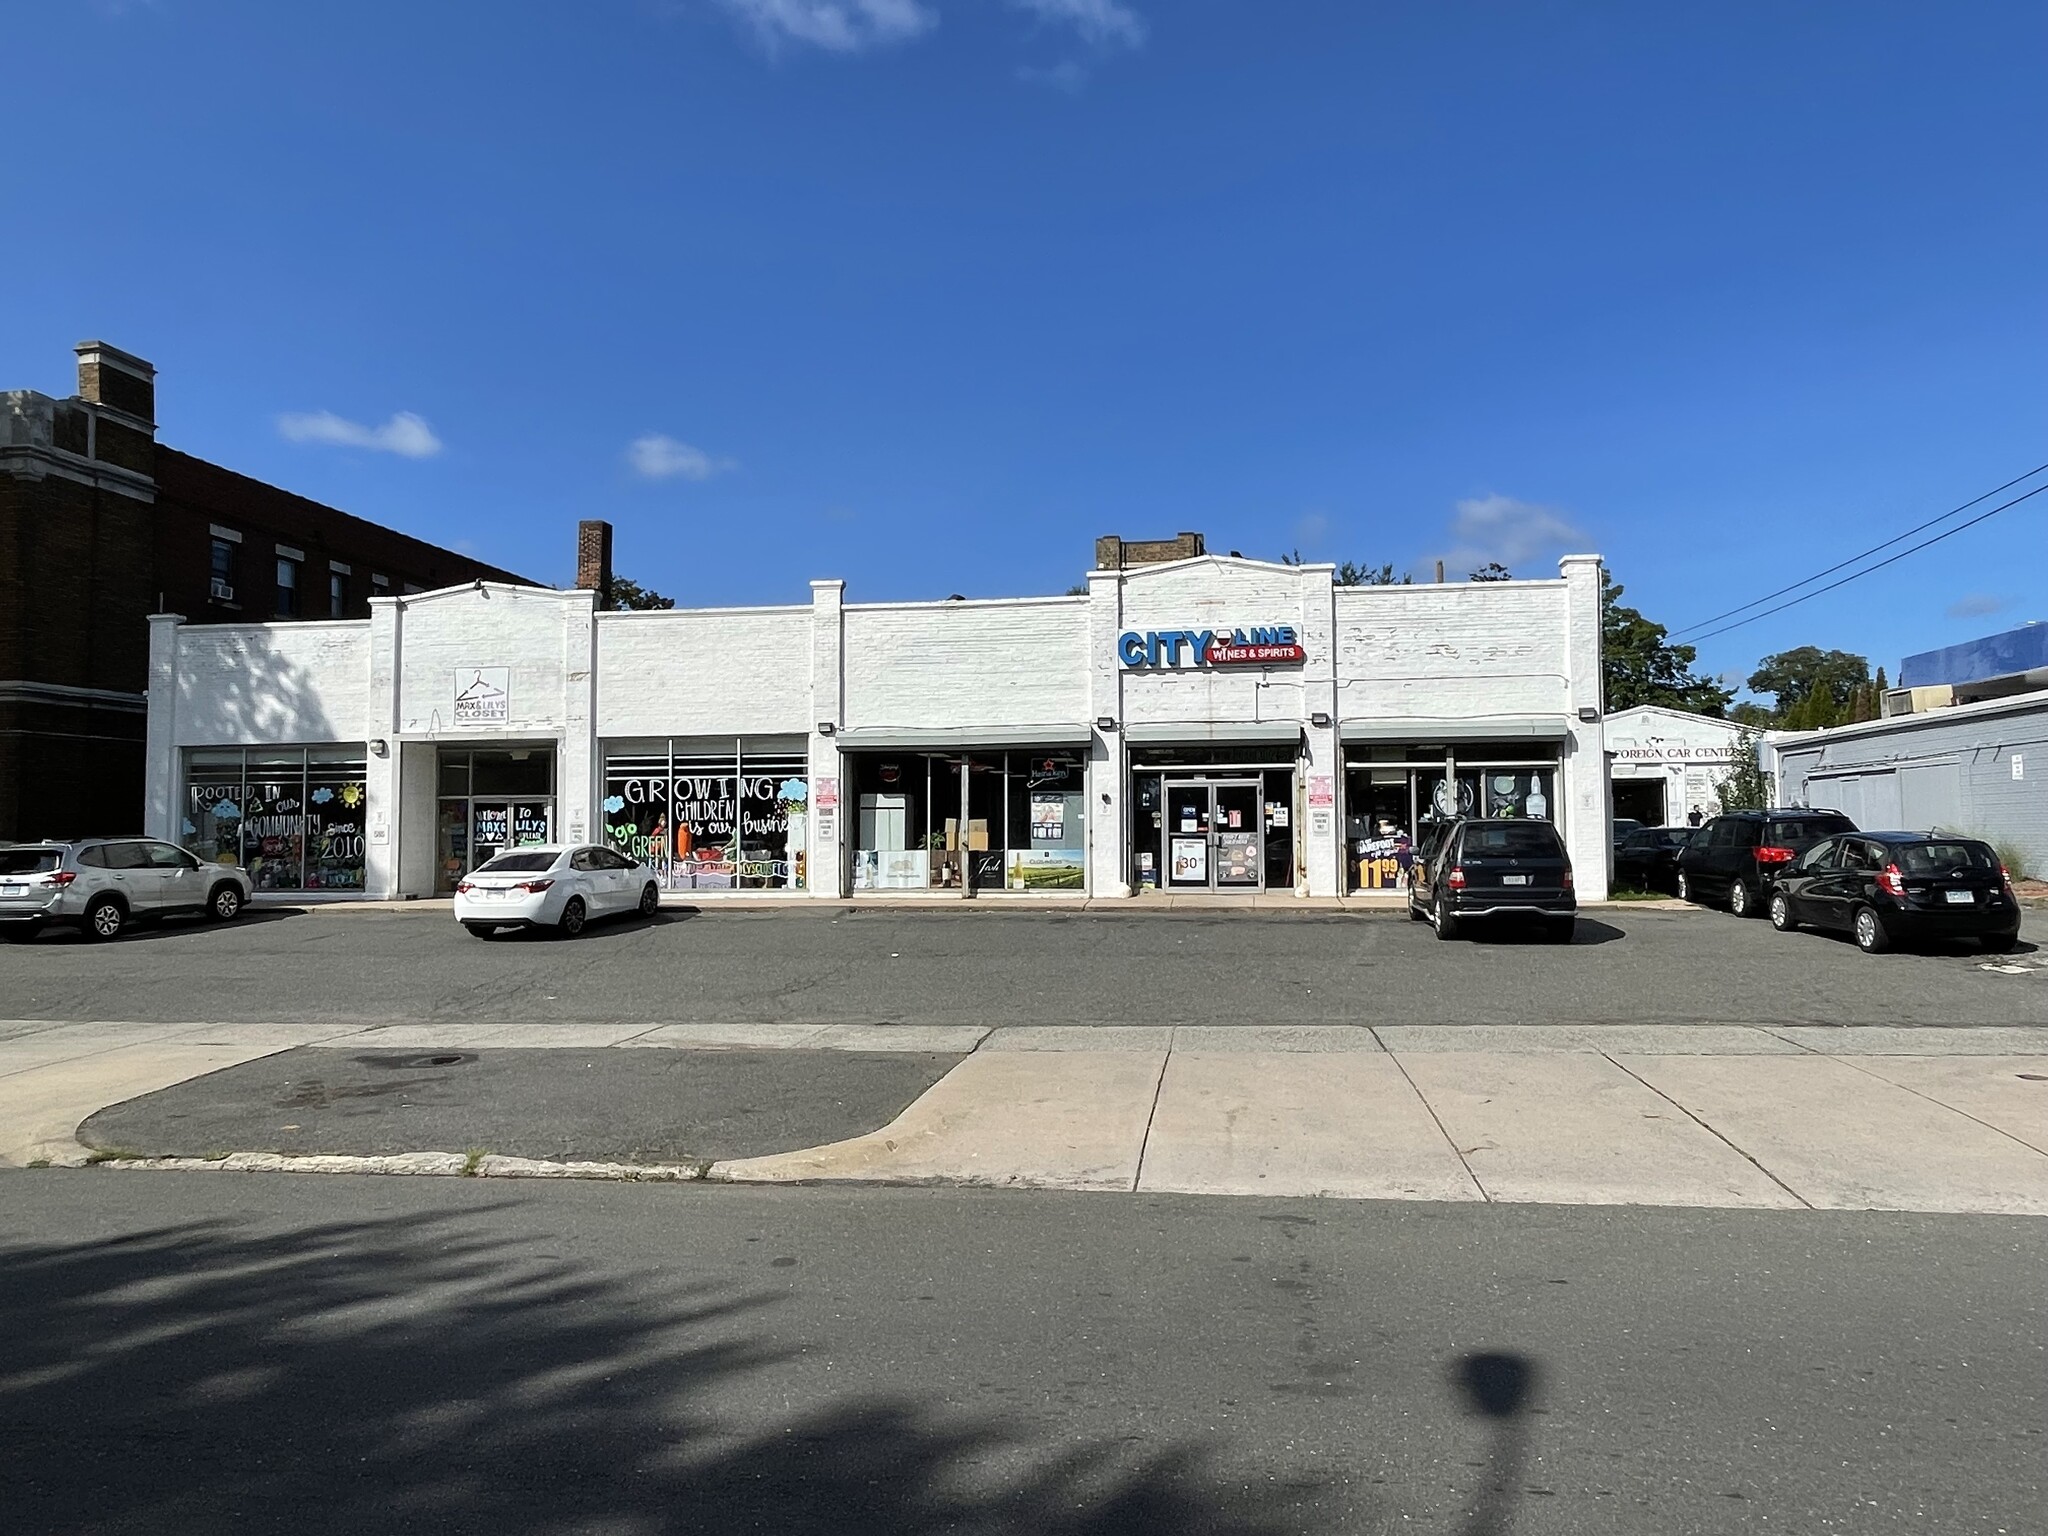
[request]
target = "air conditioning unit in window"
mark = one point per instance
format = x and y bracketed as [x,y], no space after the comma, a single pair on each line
[222,592]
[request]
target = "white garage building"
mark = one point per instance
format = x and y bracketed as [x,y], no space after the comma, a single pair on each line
[1211,724]
[1669,763]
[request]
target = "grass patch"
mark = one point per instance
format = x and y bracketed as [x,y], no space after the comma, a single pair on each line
[39,1162]
[473,1161]
[1629,894]
[114,1155]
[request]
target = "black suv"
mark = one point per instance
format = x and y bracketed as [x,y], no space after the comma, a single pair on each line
[1494,868]
[1737,857]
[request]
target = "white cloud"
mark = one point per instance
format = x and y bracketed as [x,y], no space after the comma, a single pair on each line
[1978,605]
[838,26]
[404,434]
[658,456]
[1101,24]
[1500,528]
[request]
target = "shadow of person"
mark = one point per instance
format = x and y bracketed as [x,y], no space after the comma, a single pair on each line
[1497,1385]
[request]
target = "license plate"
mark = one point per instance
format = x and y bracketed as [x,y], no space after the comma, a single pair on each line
[1514,879]
[1960,898]
[13,890]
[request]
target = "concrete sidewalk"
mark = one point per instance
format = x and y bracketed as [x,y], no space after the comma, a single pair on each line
[1679,1115]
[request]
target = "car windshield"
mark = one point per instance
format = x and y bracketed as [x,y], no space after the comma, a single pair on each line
[1673,837]
[1803,833]
[1945,858]
[519,864]
[29,861]
[1510,840]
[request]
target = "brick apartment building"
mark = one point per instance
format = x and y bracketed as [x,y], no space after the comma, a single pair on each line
[101,526]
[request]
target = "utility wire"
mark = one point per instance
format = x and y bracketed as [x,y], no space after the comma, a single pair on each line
[1858,575]
[1887,544]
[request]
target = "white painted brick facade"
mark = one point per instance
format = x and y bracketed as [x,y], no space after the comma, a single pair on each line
[579,678]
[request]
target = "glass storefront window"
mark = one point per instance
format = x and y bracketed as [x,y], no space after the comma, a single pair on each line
[1389,805]
[1025,827]
[292,817]
[492,798]
[733,820]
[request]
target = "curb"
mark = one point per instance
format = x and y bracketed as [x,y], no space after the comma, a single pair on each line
[415,1164]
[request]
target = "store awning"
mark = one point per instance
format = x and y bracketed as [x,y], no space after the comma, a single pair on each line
[1177,732]
[1430,730]
[892,738]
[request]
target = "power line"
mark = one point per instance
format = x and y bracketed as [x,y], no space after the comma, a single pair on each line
[1887,544]
[1858,575]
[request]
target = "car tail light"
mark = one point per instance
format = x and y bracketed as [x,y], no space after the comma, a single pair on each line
[463,887]
[1775,855]
[64,877]
[1891,882]
[1567,879]
[535,887]
[1456,878]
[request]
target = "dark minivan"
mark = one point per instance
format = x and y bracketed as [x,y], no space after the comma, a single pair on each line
[1885,887]
[1738,856]
[1513,869]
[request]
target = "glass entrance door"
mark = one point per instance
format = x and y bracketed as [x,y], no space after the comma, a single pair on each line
[1215,836]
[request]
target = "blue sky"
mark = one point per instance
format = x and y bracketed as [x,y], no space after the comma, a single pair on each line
[929,293]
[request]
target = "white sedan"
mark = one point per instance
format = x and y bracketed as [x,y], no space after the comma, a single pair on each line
[558,886]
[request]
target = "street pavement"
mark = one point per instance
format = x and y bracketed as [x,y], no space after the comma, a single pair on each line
[999,965]
[188,1353]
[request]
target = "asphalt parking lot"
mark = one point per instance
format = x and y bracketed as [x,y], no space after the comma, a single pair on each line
[998,966]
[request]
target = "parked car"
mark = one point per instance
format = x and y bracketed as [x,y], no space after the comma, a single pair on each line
[1738,856]
[100,885]
[1884,887]
[1474,868]
[558,886]
[1648,860]
[1625,827]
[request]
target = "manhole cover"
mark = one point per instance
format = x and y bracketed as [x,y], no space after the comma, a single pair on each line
[425,1062]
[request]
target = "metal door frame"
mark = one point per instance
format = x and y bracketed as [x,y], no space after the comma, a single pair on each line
[1168,782]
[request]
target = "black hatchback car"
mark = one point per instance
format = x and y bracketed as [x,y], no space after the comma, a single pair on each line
[1885,887]
[1738,856]
[1471,868]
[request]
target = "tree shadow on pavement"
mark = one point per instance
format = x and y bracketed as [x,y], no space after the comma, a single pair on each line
[413,1373]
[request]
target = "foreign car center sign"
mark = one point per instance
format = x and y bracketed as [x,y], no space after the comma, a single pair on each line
[1259,646]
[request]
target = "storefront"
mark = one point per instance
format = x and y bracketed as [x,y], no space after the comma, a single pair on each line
[1394,790]
[1207,726]
[1666,766]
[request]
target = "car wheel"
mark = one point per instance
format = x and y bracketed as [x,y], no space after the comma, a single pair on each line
[482,930]
[1741,899]
[1684,887]
[1781,913]
[1870,935]
[650,900]
[1446,925]
[225,904]
[573,917]
[104,919]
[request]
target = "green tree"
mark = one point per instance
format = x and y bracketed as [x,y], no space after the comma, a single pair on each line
[1493,570]
[1351,575]
[1642,666]
[628,594]
[1746,788]
[1812,687]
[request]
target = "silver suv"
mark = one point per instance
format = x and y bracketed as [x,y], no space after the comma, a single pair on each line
[102,884]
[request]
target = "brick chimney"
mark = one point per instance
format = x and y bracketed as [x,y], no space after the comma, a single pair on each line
[117,380]
[1115,554]
[594,559]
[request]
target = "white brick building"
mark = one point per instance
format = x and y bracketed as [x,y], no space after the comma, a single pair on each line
[1212,723]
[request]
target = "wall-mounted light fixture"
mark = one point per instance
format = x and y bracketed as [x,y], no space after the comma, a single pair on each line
[827,728]
[380,748]
[1320,720]
[1105,723]
[1588,713]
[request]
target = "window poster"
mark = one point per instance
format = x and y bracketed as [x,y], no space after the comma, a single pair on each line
[1048,817]
[1190,860]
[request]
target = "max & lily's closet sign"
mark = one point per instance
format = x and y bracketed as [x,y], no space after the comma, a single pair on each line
[1259,646]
